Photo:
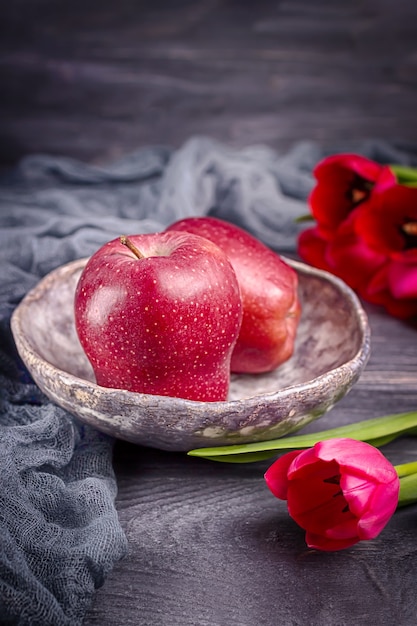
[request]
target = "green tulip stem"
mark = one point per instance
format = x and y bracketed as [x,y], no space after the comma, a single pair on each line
[408,490]
[406,469]
[407,473]
[405,175]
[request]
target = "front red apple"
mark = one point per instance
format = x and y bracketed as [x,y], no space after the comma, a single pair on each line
[271,308]
[160,314]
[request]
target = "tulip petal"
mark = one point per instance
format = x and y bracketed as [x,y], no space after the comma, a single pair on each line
[345,530]
[357,163]
[378,291]
[381,509]
[377,287]
[302,462]
[358,491]
[359,456]
[276,476]
[311,247]
[328,204]
[309,493]
[320,542]
[352,259]
[402,309]
[403,280]
[381,222]
[330,514]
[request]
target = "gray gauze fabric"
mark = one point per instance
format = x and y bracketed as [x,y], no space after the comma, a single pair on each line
[59,530]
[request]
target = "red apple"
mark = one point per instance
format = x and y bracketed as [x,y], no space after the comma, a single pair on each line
[160,314]
[271,308]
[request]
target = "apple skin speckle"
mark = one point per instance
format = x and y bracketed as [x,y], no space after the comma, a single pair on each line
[163,324]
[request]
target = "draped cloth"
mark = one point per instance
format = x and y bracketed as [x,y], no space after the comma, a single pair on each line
[59,530]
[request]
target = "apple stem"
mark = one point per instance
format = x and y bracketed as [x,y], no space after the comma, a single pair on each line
[126,242]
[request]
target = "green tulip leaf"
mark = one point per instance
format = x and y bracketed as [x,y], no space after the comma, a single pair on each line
[307,217]
[377,431]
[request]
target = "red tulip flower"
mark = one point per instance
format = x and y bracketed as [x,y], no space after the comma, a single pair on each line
[341,491]
[346,255]
[394,287]
[388,224]
[344,181]
[366,230]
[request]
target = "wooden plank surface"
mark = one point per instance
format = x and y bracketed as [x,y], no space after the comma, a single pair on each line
[208,545]
[96,79]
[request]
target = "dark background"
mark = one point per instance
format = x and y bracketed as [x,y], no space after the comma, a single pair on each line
[93,80]
[96,78]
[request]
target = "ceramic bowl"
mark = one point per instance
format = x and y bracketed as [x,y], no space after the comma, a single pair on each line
[331,350]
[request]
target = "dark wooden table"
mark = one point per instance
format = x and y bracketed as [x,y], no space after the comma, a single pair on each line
[208,544]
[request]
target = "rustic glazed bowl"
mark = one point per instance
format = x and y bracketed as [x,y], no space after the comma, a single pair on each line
[331,350]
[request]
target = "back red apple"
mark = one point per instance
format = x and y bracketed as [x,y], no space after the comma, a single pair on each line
[271,307]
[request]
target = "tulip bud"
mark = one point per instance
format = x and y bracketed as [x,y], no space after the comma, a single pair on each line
[340,491]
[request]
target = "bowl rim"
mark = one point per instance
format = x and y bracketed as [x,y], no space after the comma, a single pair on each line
[352,367]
